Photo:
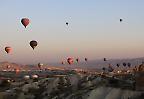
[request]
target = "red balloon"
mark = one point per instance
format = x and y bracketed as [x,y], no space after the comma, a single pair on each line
[70,60]
[8,49]
[25,22]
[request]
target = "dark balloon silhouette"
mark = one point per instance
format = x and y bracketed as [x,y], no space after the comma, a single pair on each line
[105,59]
[129,65]
[118,65]
[77,60]
[25,22]
[103,68]
[121,20]
[8,49]
[86,59]
[70,61]
[67,23]
[33,44]
[124,64]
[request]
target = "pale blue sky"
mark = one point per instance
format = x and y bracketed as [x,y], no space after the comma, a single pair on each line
[94,29]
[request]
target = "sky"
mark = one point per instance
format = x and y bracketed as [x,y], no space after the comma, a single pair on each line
[94,30]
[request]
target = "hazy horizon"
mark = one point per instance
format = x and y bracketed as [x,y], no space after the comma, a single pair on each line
[94,30]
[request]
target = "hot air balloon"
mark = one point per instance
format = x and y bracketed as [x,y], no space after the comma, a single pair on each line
[67,23]
[86,59]
[8,66]
[105,59]
[33,44]
[129,65]
[40,65]
[77,60]
[117,65]
[124,64]
[103,68]
[8,49]
[70,60]
[25,21]
[121,20]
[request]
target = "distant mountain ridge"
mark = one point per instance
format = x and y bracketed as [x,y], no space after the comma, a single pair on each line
[89,64]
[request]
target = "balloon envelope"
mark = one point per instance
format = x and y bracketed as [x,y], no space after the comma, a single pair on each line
[8,49]
[117,65]
[8,66]
[86,59]
[33,44]
[77,60]
[25,21]
[124,64]
[70,60]
[104,68]
[40,65]
[105,59]
[129,64]
[121,20]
